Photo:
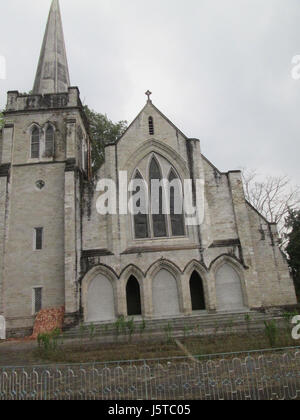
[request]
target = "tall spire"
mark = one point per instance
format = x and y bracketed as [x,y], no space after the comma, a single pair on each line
[53,74]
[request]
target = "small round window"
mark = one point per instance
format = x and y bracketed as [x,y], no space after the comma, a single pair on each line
[40,184]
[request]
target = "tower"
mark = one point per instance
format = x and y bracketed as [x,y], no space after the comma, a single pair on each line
[44,161]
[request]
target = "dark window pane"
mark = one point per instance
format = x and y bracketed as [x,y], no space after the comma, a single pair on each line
[35,143]
[177,220]
[151,126]
[154,170]
[37,299]
[177,225]
[38,238]
[159,225]
[49,146]
[140,220]
[159,220]
[141,226]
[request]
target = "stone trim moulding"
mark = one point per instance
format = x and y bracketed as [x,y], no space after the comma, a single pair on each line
[142,250]
[225,243]
[38,110]
[96,253]
[48,162]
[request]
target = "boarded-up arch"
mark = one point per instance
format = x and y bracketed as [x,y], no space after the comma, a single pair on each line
[100,300]
[229,289]
[165,296]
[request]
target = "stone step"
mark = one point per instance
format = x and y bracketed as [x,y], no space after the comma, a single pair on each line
[202,321]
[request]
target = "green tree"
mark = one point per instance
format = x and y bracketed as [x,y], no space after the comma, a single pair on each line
[293,247]
[103,131]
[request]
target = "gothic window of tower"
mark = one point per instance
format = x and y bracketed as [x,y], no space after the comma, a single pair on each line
[35,142]
[49,141]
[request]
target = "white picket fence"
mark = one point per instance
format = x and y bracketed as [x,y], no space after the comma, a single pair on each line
[267,375]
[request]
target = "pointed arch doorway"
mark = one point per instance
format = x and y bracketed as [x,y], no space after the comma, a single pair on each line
[133,297]
[197,292]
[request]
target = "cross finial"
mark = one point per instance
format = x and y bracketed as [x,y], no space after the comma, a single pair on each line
[148,93]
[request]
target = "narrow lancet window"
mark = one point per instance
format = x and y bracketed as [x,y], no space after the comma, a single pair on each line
[141,219]
[38,238]
[158,220]
[37,299]
[35,143]
[177,219]
[49,142]
[151,126]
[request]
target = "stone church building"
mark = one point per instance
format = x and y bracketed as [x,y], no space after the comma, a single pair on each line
[57,250]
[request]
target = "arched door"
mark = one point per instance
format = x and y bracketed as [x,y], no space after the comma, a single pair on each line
[229,289]
[165,294]
[100,300]
[197,292]
[133,297]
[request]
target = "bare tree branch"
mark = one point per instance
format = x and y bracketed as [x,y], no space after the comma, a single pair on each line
[272,197]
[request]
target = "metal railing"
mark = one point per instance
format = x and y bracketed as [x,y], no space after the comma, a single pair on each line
[262,375]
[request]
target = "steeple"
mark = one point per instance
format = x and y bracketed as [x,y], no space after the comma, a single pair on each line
[53,74]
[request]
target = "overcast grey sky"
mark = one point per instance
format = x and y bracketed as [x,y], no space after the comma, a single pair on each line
[219,69]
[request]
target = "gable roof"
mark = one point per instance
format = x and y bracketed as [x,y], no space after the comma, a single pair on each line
[149,102]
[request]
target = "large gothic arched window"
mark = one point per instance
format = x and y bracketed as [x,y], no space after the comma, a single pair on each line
[35,143]
[162,212]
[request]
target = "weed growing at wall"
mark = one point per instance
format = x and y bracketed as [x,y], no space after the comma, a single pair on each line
[271,332]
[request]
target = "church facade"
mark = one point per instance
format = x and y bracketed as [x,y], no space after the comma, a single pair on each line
[57,250]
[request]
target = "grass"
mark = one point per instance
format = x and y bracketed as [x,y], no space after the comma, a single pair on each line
[141,345]
[93,351]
